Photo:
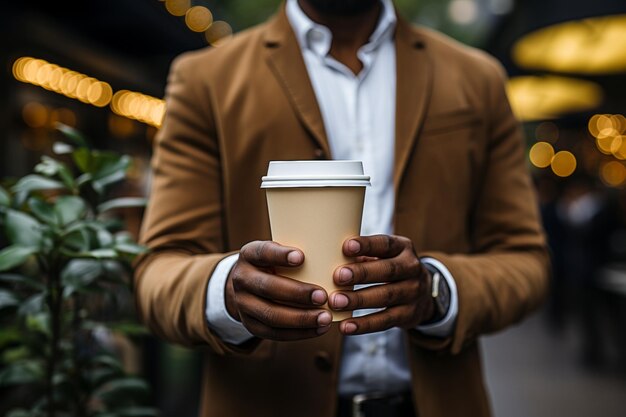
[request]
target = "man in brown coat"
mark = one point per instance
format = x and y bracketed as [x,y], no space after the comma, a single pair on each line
[451,219]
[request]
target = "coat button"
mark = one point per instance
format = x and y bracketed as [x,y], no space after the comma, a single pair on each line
[323,362]
[318,154]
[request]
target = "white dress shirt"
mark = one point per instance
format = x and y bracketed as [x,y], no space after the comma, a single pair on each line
[359,116]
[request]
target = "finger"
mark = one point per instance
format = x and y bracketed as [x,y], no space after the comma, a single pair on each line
[397,316]
[381,246]
[263,331]
[383,270]
[276,287]
[281,316]
[377,296]
[265,253]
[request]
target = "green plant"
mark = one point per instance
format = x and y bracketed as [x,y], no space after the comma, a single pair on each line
[62,278]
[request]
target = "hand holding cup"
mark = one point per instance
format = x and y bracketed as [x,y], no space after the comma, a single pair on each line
[272,306]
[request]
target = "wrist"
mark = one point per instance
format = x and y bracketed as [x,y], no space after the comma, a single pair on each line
[439,296]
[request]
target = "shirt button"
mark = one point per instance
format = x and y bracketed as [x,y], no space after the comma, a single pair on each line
[316,36]
[373,348]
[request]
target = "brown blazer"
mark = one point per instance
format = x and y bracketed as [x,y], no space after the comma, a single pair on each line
[464,197]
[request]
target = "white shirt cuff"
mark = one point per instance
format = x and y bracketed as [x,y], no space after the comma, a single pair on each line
[445,326]
[227,328]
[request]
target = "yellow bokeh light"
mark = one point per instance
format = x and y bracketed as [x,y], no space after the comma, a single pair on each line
[547,131]
[138,106]
[54,80]
[83,88]
[198,18]
[35,115]
[613,173]
[177,7]
[544,98]
[99,94]
[620,151]
[30,70]
[218,33]
[563,164]
[586,46]
[18,68]
[541,154]
[89,90]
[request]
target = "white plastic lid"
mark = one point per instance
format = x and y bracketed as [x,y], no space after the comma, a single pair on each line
[288,174]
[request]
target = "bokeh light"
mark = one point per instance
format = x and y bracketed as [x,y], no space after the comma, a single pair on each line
[218,33]
[548,132]
[563,164]
[613,173]
[541,154]
[198,18]
[589,46]
[177,7]
[138,106]
[543,98]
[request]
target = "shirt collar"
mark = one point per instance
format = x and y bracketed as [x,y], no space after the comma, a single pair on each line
[318,38]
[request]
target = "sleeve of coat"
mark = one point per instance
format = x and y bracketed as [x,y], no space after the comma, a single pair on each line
[183,224]
[506,277]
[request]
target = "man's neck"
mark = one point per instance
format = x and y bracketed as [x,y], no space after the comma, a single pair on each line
[349,32]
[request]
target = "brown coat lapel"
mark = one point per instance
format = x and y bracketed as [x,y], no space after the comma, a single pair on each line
[413,91]
[287,64]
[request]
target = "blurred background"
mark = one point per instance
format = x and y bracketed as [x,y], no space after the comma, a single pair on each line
[101,66]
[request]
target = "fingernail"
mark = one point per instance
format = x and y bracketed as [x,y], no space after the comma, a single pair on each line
[324,319]
[318,297]
[349,328]
[354,246]
[345,276]
[323,330]
[340,301]
[294,258]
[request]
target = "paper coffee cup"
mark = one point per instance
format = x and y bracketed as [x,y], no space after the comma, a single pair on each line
[315,206]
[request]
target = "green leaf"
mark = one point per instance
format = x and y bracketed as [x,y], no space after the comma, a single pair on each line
[39,322]
[119,391]
[9,335]
[136,412]
[51,167]
[100,254]
[21,279]
[13,256]
[5,198]
[82,159]
[19,412]
[36,182]
[105,238]
[73,135]
[23,372]
[22,229]
[130,248]
[8,299]
[124,237]
[15,354]
[122,203]
[110,168]
[100,376]
[77,240]
[33,305]
[79,273]
[69,209]
[61,148]
[108,362]
[129,328]
[42,210]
